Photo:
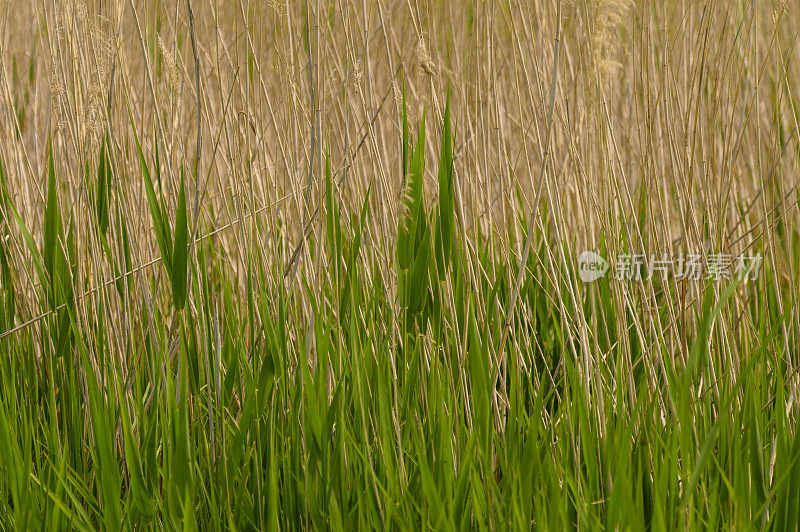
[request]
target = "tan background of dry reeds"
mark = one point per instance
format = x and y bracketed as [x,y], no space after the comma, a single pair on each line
[676,102]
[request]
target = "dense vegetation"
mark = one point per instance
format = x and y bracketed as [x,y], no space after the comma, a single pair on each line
[408,368]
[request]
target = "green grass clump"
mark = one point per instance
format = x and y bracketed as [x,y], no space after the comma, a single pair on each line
[385,410]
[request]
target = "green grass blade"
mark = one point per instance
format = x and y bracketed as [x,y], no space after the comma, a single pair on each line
[180,253]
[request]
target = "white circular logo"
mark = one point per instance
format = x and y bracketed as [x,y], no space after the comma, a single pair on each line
[591,266]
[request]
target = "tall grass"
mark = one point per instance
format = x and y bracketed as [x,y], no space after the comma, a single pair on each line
[313,265]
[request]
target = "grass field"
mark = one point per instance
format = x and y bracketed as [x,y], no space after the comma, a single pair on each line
[271,264]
